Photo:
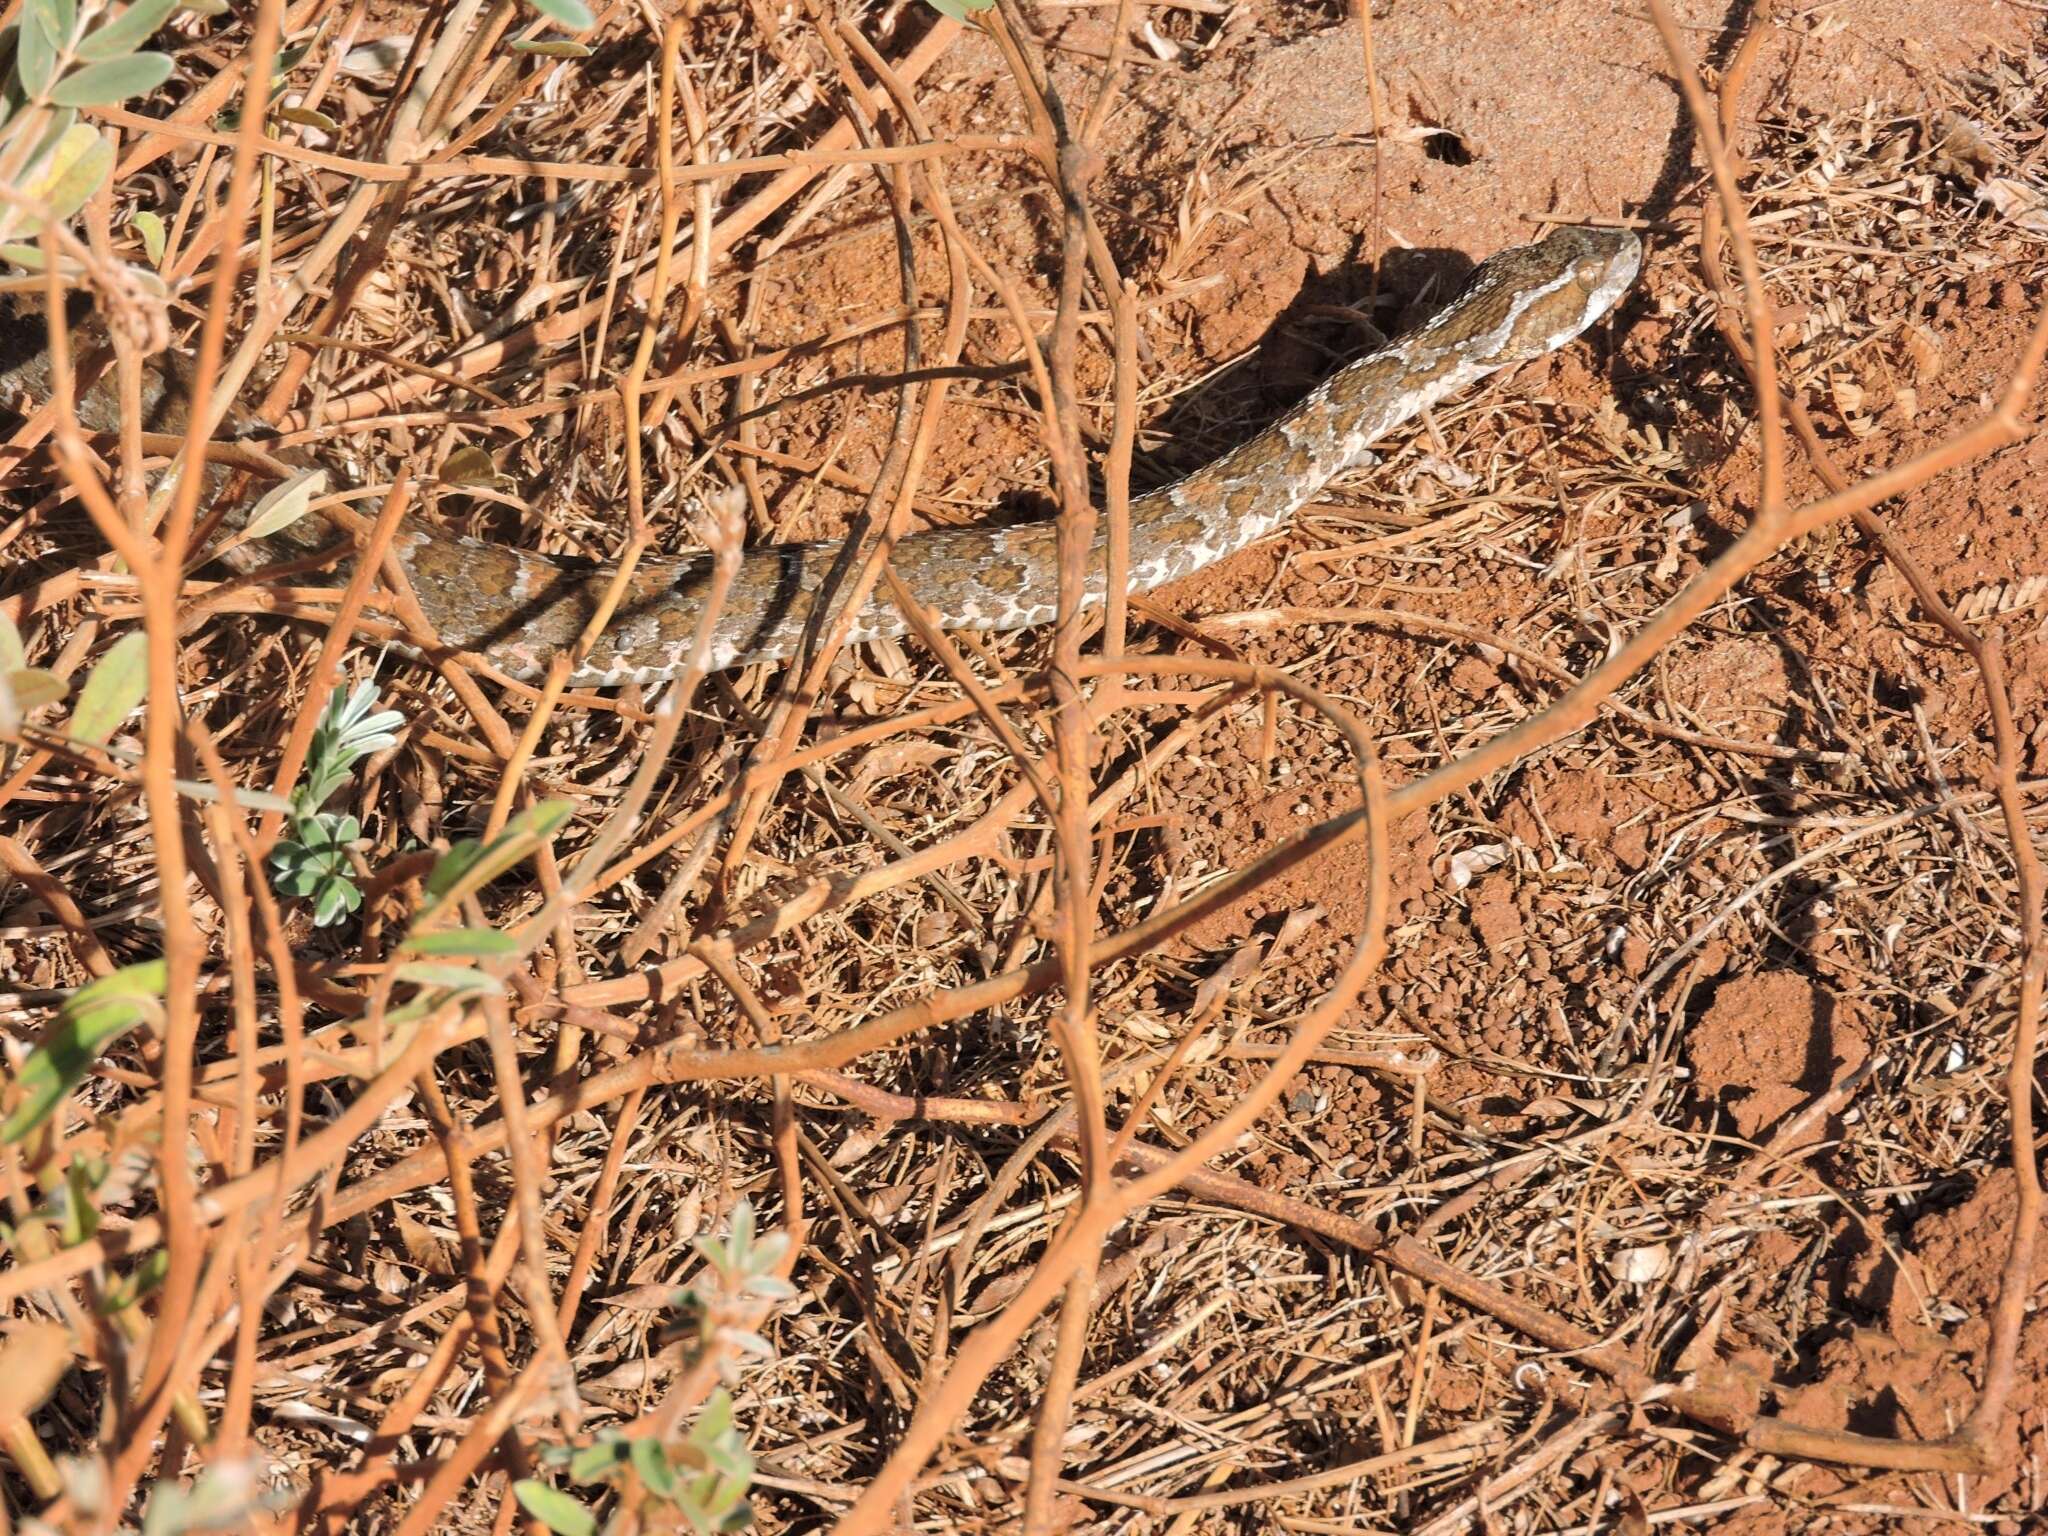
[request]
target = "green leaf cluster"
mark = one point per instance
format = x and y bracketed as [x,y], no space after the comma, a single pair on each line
[704,1479]
[313,863]
[312,860]
[55,58]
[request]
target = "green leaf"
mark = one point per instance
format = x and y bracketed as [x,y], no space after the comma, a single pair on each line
[58,123]
[61,17]
[25,689]
[76,167]
[555,48]
[91,1019]
[451,867]
[723,1499]
[81,1217]
[461,980]
[574,14]
[284,504]
[128,31]
[112,80]
[130,1289]
[338,896]
[466,868]
[477,943]
[36,55]
[554,1509]
[29,257]
[309,117]
[960,10]
[13,654]
[116,686]
[591,1462]
[151,228]
[651,1462]
[714,1421]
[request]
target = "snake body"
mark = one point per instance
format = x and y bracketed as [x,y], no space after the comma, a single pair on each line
[518,609]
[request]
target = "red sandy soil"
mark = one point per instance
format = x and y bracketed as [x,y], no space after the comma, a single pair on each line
[1563,107]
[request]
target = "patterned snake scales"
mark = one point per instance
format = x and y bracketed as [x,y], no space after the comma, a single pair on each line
[518,609]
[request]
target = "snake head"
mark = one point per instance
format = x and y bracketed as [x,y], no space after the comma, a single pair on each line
[1533,299]
[1570,278]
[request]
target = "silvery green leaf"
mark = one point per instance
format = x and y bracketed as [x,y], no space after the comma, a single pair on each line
[591,1462]
[747,1342]
[61,17]
[91,1019]
[151,228]
[308,117]
[285,503]
[459,979]
[554,1509]
[126,32]
[473,943]
[338,897]
[768,1252]
[714,1421]
[81,159]
[574,14]
[379,58]
[36,54]
[651,1462]
[112,80]
[32,687]
[13,654]
[221,1498]
[116,686]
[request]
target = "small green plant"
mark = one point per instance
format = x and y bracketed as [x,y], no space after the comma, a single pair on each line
[705,1477]
[90,1020]
[56,57]
[742,1275]
[312,860]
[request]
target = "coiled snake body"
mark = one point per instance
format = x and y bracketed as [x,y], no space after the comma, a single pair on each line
[518,609]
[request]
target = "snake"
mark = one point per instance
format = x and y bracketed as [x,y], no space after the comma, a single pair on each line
[518,609]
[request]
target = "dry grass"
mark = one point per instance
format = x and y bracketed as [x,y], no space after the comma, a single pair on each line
[978,1016]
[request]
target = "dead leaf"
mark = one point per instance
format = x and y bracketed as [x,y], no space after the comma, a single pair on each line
[1474,862]
[1923,351]
[2002,597]
[1214,989]
[1639,1266]
[2023,206]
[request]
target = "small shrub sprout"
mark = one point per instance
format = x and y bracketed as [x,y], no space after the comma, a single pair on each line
[312,859]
